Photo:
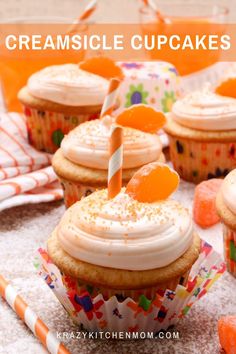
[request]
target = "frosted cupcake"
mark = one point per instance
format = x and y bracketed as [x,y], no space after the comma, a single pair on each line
[202,134]
[226,207]
[132,263]
[81,163]
[127,246]
[57,99]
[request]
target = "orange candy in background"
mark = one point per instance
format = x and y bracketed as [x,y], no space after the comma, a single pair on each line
[204,208]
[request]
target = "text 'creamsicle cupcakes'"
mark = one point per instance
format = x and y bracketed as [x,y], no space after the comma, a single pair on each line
[202,134]
[226,207]
[82,161]
[57,99]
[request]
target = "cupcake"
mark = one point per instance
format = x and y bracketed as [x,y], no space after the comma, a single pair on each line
[138,243]
[57,99]
[226,207]
[81,163]
[202,135]
[131,264]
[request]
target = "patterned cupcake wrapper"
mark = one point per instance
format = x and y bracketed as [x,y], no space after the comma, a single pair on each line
[198,161]
[118,314]
[230,249]
[80,287]
[73,192]
[46,129]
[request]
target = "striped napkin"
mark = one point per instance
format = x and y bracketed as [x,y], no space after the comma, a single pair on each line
[25,173]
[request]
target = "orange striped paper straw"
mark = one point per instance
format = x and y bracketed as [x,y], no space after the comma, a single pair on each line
[110,99]
[153,6]
[35,324]
[89,9]
[115,161]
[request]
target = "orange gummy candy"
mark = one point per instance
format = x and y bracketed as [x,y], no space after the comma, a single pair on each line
[204,208]
[227,333]
[142,117]
[153,182]
[227,88]
[102,66]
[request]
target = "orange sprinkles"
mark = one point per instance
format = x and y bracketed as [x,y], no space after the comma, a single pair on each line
[142,117]
[153,182]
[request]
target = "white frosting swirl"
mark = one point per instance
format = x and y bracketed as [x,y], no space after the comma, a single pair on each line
[68,85]
[205,110]
[88,145]
[228,190]
[124,234]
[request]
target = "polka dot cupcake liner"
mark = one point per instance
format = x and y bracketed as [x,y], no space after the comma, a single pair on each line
[73,192]
[230,249]
[46,129]
[197,161]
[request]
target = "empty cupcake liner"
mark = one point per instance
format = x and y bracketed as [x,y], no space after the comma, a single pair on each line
[230,249]
[198,161]
[46,129]
[117,314]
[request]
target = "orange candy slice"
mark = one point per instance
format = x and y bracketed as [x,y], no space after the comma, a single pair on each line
[102,66]
[153,182]
[227,88]
[204,208]
[142,117]
[227,333]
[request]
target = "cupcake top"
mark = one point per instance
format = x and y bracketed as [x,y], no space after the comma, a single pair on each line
[68,85]
[206,111]
[124,233]
[88,145]
[228,190]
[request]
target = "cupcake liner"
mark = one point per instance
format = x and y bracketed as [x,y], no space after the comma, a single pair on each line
[80,287]
[117,314]
[73,192]
[46,129]
[230,249]
[198,161]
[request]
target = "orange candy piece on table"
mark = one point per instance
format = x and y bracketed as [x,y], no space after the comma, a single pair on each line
[227,333]
[204,208]
[227,88]
[142,117]
[153,182]
[102,66]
